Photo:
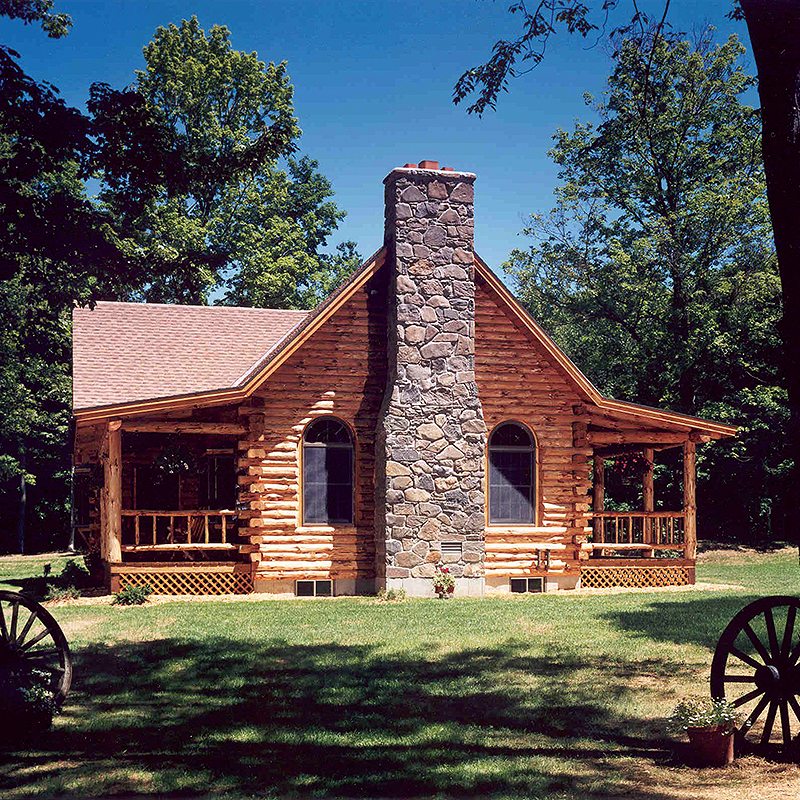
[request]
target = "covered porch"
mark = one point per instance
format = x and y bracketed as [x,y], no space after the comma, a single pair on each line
[169,515]
[656,543]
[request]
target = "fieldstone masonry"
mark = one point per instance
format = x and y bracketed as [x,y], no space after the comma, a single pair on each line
[432,437]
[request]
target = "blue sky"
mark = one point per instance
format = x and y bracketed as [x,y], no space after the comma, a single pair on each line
[373,83]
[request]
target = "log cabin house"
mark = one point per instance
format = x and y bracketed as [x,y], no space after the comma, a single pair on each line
[419,416]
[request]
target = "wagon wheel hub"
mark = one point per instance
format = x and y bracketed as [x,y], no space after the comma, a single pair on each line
[768,678]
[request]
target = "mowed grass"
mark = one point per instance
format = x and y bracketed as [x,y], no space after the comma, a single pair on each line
[551,696]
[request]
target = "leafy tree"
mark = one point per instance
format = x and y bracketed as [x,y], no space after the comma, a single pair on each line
[774,28]
[213,212]
[656,268]
[54,24]
[56,248]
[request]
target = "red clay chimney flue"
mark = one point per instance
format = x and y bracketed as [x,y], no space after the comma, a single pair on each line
[429,165]
[409,166]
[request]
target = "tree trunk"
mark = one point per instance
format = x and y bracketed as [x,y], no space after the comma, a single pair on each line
[774,27]
[22,504]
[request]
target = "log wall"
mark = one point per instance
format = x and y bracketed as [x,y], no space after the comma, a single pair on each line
[340,370]
[517,382]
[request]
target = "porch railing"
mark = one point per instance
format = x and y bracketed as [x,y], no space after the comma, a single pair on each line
[638,530]
[177,530]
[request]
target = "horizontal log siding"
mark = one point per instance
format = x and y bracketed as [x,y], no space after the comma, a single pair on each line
[341,370]
[517,382]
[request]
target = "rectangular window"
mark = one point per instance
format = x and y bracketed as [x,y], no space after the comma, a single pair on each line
[314,588]
[220,487]
[527,585]
[327,485]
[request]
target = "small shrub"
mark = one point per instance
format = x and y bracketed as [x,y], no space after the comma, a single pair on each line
[702,712]
[75,574]
[391,595]
[57,593]
[132,596]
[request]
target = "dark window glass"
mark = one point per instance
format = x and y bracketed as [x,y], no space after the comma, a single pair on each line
[512,490]
[327,473]
[304,589]
[220,485]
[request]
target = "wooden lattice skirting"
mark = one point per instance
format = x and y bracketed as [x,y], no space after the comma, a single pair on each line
[194,582]
[634,577]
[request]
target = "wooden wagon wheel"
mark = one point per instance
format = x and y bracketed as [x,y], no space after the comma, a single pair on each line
[31,639]
[756,668]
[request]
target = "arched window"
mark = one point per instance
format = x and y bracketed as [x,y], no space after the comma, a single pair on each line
[327,472]
[512,475]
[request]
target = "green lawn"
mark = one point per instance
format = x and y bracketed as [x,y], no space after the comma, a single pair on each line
[551,696]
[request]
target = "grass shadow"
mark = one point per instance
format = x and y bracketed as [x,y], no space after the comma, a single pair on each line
[217,717]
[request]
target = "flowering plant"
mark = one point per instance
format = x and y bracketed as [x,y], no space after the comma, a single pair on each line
[444,583]
[703,712]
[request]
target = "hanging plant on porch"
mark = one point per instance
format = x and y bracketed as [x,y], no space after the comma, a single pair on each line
[175,459]
[630,466]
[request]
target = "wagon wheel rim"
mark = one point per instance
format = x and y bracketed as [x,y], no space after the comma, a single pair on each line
[31,639]
[756,667]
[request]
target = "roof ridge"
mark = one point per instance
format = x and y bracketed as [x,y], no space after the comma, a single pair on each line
[194,306]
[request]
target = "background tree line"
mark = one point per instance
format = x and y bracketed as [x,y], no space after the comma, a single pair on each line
[656,269]
[186,186]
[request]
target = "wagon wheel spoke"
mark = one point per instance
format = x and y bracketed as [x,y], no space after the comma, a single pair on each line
[769,722]
[14,616]
[788,632]
[754,715]
[3,626]
[795,706]
[27,627]
[786,729]
[746,698]
[749,660]
[36,639]
[795,654]
[756,642]
[772,634]
[740,679]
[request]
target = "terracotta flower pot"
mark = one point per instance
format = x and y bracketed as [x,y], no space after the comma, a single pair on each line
[711,746]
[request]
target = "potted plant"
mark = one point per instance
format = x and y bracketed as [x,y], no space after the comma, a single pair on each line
[27,703]
[444,583]
[710,725]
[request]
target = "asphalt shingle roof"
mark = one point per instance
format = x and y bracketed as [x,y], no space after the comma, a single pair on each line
[124,352]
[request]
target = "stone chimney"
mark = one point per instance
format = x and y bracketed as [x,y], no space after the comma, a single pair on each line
[431,439]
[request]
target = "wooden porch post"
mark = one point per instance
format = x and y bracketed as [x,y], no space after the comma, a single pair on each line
[599,496]
[689,500]
[648,496]
[111,540]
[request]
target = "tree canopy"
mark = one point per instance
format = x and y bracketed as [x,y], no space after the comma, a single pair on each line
[213,214]
[656,269]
